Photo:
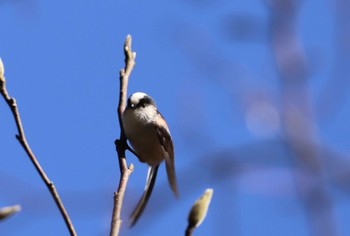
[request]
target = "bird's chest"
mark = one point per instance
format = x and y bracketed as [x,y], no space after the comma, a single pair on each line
[144,139]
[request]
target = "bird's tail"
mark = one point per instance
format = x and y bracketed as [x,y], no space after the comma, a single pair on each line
[151,179]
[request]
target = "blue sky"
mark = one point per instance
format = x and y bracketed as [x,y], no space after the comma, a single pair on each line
[216,74]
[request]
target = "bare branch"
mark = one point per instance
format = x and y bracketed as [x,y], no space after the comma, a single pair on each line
[11,102]
[121,144]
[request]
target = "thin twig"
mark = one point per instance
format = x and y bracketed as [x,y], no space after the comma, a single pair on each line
[11,102]
[121,144]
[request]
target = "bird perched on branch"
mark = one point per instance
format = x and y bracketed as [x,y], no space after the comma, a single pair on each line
[149,136]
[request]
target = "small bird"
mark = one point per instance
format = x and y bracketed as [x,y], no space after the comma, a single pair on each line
[149,136]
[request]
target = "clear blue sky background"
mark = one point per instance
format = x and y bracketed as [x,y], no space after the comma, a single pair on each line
[211,69]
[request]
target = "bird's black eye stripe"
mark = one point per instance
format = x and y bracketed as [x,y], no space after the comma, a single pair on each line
[145,101]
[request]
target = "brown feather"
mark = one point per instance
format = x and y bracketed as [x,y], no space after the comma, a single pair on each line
[168,150]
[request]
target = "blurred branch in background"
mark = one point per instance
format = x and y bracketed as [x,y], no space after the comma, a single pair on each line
[298,123]
[329,105]
[11,102]
[297,159]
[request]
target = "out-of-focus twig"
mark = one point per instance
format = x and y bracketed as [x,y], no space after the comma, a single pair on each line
[5,212]
[11,102]
[198,211]
[121,144]
[334,94]
[298,124]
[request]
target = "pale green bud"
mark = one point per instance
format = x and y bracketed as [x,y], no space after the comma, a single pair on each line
[2,69]
[8,211]
[199,209]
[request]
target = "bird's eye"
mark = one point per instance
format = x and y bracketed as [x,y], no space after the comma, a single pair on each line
[143,102]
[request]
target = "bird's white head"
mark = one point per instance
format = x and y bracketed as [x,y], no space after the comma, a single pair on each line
[139,99]
[143,105]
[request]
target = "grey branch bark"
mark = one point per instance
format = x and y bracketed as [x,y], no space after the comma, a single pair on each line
[11,102]
[121,144]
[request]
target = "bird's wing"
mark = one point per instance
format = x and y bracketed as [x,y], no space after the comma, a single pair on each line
[151,179]
[168,152]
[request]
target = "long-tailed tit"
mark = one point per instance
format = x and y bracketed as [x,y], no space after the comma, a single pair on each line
[149,136]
